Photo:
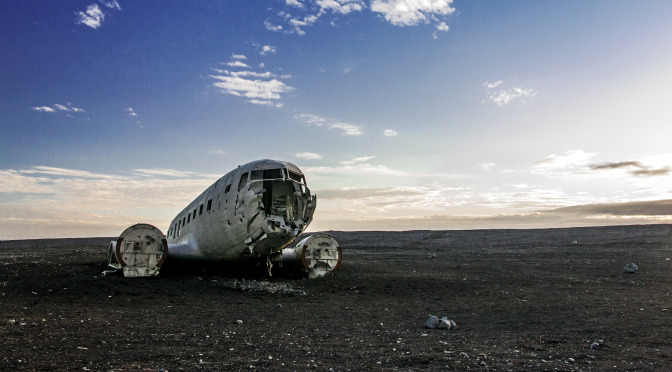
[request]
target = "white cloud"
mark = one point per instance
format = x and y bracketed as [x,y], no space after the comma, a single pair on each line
[358,160]
[238,56]
[390,132]
[164,173]
[309,13]
[59,107]
[44,109]
[255,89]
[348,129]
[356,169]
[443,27]
[237,64]
[268,49]
[341,6]
[504,97]
[93,17]
[113,4]
[308,155]
[411,12]
[318,121]
[571,159]
[271,27]
[83,203]
[295,3]
[131,112]
[265,103]
[493,85]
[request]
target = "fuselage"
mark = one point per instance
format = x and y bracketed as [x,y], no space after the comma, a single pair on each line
[251,212]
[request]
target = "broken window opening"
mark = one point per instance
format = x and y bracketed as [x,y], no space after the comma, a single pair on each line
[200,211]
[243,181]
[209,204]
[228,188]
[295,177]
[256,175]
[194,217]
[184,221]
[271,174]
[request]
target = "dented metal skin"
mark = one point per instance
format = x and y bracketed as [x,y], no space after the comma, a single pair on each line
[251,213]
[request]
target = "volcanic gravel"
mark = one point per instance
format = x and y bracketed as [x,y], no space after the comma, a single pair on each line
[546,299]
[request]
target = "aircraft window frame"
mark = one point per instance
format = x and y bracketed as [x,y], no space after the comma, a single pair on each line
[200,211]
[188,217]
[297,177]
[194,216]
[243,181]
[209,205]
[274,174]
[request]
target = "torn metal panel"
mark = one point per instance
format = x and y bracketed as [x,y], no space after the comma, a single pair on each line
[139,251]
[316,255]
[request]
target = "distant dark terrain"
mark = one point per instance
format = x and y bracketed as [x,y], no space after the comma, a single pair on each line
[547,299]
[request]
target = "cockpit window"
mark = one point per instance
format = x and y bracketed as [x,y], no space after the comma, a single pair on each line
[271,174]
[295,177]
[256,175]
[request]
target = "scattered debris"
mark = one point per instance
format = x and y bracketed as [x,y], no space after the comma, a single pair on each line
[432,322]
[630,268]
[431,255]
[263,287]
[444,323]
[447,323]
[239,321]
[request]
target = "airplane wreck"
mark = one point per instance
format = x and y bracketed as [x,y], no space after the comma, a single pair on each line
[249,215]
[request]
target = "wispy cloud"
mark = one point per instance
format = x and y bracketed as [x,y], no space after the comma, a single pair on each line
[237,64]
[300,15]
[308,155]
[44,109]
[571,159]
[318,121]
[268,49]
[238,86]
[261,88]
[58,107]
[93,16]
[634,168]
[505,96]
[112,4]
[390,133]
[59,202]
[361,159]
[493,85]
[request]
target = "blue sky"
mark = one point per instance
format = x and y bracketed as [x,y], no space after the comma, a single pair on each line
[404,114]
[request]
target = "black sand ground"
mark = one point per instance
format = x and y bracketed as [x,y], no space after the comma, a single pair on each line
[552,299]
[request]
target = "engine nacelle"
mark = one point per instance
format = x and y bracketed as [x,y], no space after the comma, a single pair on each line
[316,255]
[139,251]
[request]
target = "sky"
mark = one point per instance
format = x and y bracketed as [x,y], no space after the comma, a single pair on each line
[403,114]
